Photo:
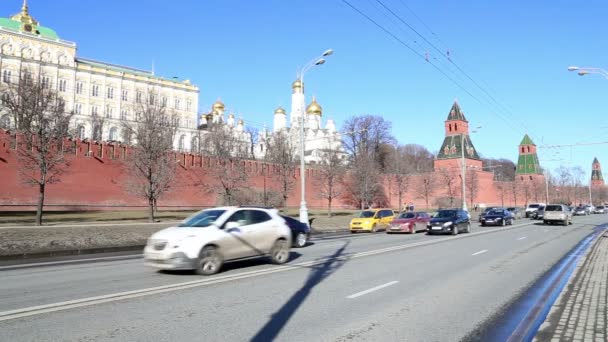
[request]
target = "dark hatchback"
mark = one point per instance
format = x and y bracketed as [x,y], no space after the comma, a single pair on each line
[300,232]
[498,217]
[450,221]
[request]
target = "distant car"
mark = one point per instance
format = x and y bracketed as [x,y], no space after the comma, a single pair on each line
[516,212]
[600,209]
[372,220]
[539,213]
[300,232]
[451,221]
[580,211]
[557,213]
[532,207]
[590,208]
[205,240]
[498,217]
[485,212]
[409,222]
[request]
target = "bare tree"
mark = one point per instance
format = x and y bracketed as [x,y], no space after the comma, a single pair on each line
[400,169]
[98,126]
[370,135]
[502,187]
[426,185]
[472,185]
[448,179]
[331,170]
[418,158]
[151,166]
[363,184]
[514,190]
[253,135]
[280,152]
[564,181]
[228,173]
[42,123]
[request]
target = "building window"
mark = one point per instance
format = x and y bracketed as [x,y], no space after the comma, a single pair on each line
[151,99]
[80,132]
[456,127]
[108,111]
[63,85]
[123,114]
[79,88]
[94,110]
[138,97]
[113,133]
[78,108]
[523,150]
[164,101]
[182,140]
[125,95]
[194,145]
[97,132]
[27,77]
[528,149]
[5,98]
[177,104]
[188,105]
[110,93]
[6,76]
[95,90]
[46,82]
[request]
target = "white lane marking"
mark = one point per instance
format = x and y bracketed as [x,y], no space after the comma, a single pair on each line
[379,287]
[480,252]
[114,297]
[521,238]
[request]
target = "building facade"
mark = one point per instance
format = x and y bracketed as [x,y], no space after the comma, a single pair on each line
[319,139]
[101,95]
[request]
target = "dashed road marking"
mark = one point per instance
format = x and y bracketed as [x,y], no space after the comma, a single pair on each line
[480,252]
[379,287]
[521,238]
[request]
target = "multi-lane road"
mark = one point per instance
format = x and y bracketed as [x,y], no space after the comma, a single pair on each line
[374,287]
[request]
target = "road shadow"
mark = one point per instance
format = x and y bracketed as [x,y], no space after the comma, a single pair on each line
[317,274]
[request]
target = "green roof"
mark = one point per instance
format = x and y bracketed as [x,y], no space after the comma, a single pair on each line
[597,175]
[456,113]
[527,141]
[528,164]
[595,161]
[451,148]
[14,25]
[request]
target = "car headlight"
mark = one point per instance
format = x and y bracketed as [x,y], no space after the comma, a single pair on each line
[447,224]
[428,225]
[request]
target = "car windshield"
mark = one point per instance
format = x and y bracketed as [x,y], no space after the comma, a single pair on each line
[533,206]
[489,210]
[580,208]
[554,208]
[407,215]
[202,219]
[511,209]
[496,212]
[366,214]
[600,207]
[446,213]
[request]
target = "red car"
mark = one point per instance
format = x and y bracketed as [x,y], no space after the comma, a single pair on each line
[409,222]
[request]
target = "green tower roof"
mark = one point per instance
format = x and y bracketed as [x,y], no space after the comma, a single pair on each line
[527,141]
[595,161]
[451,148]
[456,113]
[528,164]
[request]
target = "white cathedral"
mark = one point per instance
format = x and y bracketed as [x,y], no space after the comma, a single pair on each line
[318,140]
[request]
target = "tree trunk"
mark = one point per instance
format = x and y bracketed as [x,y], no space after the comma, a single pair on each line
[41,189]
[329,207]
[151,210]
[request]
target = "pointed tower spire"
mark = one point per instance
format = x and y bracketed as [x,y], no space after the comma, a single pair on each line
[456,132]
[596,173]
[527,163]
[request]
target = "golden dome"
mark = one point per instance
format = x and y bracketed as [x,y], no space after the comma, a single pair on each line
[218,105]
[231,116]
[297,84]
[280,110]
[241,122]
[314,107]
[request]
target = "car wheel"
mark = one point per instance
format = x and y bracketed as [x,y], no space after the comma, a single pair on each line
[374,228]
[468,227]
[209,262]
[483,224]
[413,230]
[565,223]
[503,223]
[544,222]
[279,253]
[455,230]
[300,240]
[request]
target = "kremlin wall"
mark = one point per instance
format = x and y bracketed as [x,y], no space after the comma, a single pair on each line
[95,180]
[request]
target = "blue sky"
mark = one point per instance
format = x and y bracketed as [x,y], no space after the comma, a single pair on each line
[247,53]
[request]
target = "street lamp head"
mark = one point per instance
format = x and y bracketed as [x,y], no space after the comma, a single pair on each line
[320,61]
[328,52]
[583,73]
[573,68]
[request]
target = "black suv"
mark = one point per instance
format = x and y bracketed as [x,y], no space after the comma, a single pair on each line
[450,221]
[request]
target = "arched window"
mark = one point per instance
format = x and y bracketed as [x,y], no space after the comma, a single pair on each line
[523,150]
[194,145]
[180,145]
[528,149]
[450,127]
[456,127]
[5,121]
[97,132]
[113,133]
[80,132]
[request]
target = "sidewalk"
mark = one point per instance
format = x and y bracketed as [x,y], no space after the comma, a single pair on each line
[579,314]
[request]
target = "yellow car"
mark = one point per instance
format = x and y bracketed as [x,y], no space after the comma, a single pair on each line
[372,220]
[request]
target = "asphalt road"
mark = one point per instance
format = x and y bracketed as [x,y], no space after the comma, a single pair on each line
[363,287]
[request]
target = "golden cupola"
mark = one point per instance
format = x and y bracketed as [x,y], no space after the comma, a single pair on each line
[297,86]
[25,17]
[314,107]
[218,106]
[280,110]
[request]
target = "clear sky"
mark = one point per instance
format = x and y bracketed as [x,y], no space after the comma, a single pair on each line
[247,52]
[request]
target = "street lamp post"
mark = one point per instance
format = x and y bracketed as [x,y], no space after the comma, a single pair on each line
[582,71]
[463,165]
[303,208]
